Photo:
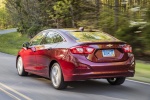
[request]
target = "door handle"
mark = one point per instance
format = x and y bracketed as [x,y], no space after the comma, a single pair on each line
[49,48]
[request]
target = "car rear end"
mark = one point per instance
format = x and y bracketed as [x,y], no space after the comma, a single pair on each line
[101,58]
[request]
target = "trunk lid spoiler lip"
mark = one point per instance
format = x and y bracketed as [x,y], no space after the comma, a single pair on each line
[109,42]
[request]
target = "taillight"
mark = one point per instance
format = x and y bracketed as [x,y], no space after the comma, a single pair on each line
[127,49]
[81,50]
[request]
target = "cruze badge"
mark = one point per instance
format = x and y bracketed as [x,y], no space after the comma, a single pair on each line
[109,45]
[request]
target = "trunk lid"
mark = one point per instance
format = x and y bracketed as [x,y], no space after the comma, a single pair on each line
[107,52]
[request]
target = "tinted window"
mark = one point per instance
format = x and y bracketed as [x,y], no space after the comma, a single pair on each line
[92,36]
[52,37]
[57,38]
[38,38]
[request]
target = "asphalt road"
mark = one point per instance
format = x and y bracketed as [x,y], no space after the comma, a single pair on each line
[32,87]
[8,31]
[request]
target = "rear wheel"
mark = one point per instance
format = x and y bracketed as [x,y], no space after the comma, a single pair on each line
[57,77]
[20,67]
[116,81]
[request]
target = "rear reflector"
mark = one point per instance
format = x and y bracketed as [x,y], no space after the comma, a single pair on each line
[127,49]
[81,50]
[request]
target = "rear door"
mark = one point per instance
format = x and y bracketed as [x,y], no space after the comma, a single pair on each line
[43,54]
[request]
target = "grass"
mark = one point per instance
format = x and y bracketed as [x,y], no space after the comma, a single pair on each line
[142,72]
[12,42]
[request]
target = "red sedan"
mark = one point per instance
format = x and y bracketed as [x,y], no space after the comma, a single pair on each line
[65,56]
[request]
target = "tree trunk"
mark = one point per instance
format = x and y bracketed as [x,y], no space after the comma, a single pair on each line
[116,12]
[97,2]
[72,16]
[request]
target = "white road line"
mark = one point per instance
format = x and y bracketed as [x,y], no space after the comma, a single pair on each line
[11,95]
[138,82]
[14,91]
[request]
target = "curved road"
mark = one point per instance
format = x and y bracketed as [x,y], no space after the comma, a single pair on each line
[14,87]
[8,31]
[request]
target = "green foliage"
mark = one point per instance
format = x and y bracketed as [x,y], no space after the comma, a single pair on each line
[87,24]
[106,22]
[147,12]
[136,37]
[127,33]
[4,18]
[67,13]
[62,7]
[110,16]
[62,12]
[146,37]
[28,18]
[12,42]
[33,30]
[146,32]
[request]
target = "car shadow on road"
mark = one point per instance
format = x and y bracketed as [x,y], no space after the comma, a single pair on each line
[94,86]
[100,87]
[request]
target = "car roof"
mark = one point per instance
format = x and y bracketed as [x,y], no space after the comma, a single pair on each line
[71,39]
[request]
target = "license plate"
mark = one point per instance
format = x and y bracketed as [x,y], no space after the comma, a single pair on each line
[108,53]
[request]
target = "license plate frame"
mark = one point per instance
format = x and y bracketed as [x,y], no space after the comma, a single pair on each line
[108,53]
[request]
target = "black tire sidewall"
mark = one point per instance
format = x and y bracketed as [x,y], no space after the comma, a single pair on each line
[118,81]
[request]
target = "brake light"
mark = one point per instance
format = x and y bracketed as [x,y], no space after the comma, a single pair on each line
[81,50]
[127,49]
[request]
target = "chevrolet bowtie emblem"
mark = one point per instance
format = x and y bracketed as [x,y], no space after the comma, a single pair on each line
[109,45]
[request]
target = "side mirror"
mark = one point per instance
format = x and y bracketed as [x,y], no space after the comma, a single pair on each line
[26,45]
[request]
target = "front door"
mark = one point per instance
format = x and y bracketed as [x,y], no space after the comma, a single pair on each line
[29,58]
[31,52]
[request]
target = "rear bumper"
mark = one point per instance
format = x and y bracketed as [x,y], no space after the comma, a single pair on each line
[99,75]
[78,67]
[102,70]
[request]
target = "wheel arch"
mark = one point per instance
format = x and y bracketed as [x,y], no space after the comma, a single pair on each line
[50,66]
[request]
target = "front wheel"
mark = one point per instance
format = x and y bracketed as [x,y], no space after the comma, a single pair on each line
[57,77]
[20,67]
[116,81]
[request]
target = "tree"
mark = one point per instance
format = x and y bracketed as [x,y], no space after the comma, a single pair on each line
[4,18]
[30,16]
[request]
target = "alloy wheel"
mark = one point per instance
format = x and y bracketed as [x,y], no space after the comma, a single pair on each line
[20,66]
[56,75]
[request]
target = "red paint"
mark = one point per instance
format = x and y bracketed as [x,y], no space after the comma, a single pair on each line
[79,66]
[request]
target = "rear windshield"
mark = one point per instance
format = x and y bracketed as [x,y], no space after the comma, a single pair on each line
[92,36]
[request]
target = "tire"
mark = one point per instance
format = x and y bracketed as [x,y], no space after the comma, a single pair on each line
[116,81]
[20,67]
[57,78]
